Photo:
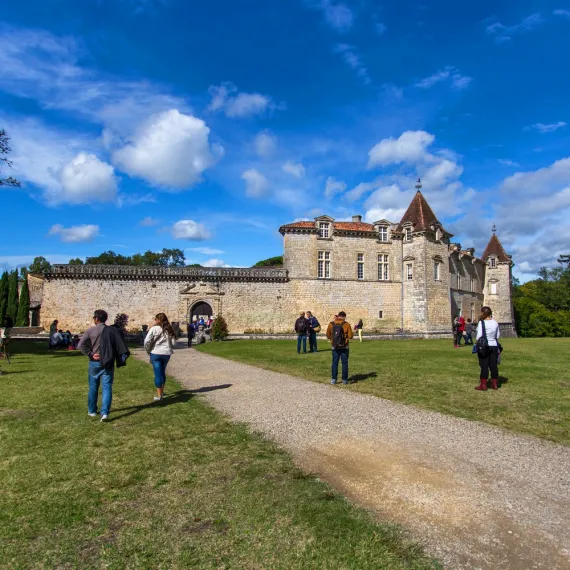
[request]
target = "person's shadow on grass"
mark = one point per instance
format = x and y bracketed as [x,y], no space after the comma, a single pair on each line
[361,377]
[180,397]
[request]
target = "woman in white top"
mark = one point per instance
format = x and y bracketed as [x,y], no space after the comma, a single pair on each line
[490,360]
[159,343]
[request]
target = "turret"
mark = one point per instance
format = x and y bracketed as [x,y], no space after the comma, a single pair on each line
[497,287]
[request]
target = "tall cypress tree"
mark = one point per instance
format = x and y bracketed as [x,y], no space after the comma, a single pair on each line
[3,296]
[12,310]
[23,318]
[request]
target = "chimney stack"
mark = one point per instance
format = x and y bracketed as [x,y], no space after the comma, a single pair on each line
[356,218]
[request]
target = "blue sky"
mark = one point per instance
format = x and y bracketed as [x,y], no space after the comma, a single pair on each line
[143,124]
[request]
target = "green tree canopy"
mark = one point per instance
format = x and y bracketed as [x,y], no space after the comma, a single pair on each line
[12,309]
[39,265]
[23,316]
[4,288]
[270,262]
[4,152]
[76,261]
[165,258]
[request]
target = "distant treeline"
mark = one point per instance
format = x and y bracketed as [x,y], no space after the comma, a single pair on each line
[542,306]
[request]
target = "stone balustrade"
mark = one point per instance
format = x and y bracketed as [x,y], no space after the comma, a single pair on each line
[146,273]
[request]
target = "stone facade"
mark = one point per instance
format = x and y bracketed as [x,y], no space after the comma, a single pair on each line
[405,278]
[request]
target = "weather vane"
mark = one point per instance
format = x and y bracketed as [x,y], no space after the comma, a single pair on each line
[494,229]
[418,184]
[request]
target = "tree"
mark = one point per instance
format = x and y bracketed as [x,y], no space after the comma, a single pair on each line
[219,328]
[12,309]
[23,316]
[270,262]
[4,287]
[108,258]
[39,265]
[76,261]
[4,151]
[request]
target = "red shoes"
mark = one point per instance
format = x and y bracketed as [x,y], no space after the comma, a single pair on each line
[483,385]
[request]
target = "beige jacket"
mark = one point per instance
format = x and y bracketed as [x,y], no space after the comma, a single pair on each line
[158,342]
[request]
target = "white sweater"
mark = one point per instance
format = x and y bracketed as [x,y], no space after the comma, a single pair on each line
[158,342]
[491,330]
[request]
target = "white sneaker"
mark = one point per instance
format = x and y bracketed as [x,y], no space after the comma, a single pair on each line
[104,417]
[157,398]
[91,415]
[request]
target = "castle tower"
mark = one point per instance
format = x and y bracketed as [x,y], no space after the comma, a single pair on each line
[497,286]
[425,269]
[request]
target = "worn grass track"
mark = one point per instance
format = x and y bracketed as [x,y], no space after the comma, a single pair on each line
[174,485]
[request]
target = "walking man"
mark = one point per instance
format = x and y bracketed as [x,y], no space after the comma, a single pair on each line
[339,332]
[302,330]
[89,345]
[191,332]
[314,328]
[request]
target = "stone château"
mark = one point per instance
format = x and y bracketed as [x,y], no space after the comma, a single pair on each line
[405,278]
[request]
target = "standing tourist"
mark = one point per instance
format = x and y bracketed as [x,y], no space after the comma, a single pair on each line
[314,328]
[339,332]
[469,328]
[89,345]
[455,327]
[302,330]
[358,327]
[53,327]
[190,327]
[488,355]
[159,344]
[460,329]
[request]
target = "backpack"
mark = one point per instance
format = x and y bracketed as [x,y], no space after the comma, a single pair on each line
[483,344]
[337,337]
[302,326]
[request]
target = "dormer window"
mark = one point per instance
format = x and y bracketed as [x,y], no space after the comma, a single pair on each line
[383,233]
[493,262]
[324,229]
[408,234]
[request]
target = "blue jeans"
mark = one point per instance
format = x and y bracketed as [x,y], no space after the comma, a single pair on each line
[313,341]
[342,354]
[302,338]
[104,376]
[159,362]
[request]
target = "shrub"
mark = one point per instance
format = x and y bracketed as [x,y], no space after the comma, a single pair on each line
[219,328]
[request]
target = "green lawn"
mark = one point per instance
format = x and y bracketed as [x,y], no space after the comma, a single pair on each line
[534,396]
[172,485]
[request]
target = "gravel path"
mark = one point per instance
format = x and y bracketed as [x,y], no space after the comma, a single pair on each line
[474,495]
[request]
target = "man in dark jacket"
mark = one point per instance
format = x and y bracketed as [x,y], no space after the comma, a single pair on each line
[302,330]
[101,348]
[339,332]
[314,328]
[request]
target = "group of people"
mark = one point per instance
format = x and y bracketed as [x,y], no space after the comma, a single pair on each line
[463,330]
[106,348]
[198,325]
[58,338]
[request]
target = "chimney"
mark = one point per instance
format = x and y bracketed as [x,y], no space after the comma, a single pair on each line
[356,218]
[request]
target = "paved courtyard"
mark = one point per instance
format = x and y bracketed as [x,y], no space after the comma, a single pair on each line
[474,495]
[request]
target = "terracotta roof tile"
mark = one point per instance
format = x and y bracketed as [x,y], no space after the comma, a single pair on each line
[340,226]
[419,214]
[494,247]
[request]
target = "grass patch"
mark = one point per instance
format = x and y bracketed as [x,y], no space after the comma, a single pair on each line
[534,396]
[173,485]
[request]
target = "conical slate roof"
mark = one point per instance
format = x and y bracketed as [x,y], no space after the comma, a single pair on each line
[494,247]
[419,214]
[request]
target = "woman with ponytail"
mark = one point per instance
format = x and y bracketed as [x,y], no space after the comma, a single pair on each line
[488,356]
[159,344]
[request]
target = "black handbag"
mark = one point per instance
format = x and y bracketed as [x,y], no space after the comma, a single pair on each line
[482,343]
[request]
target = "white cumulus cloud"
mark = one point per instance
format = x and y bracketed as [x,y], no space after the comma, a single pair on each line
[256,184]
[84,180]
[264,144]
[190,230]
[409,147]
[75,234]
[214,262]
[295,169]
[171,150]
[205,250]
[333,187]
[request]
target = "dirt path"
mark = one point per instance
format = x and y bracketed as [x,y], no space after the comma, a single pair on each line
[476,496]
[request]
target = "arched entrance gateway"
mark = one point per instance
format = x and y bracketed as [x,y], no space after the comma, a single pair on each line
[200,309]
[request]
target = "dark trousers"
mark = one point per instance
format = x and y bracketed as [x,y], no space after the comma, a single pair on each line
[302,338]
[468,338]
[313,341]
[490,362]
[342,355]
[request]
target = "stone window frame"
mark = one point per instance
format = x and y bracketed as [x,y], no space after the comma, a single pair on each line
[409,266]
[437,270]
[380,314]
[472,285]
[383,267]
[408,237]
[324,261]
[325,230]
[459,284]
[494,283]
[492,262]
[360,266]
[383,234]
